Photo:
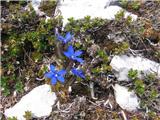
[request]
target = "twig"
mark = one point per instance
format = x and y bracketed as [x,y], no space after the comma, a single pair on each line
[132,51]
[123,115]
[67,110]
[69,66]
[40,79]
[91,85]
[94,103]
[107,102]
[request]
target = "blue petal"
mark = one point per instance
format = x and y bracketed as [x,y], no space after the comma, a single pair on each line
[79,59]
[49,75]
[67,54]
[62,72]
[61,79]
[70,50]
[53,81]
[74,71]
[68,37]
[78,53]
[78,73]
[82,75]
[61,38]
[52,68]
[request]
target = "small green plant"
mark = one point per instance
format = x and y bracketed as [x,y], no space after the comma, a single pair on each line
[19,86]
[48,6]
[135,4]
[124,3]
[119,15]
[103,55]
[146,89]
[12,118]
[83,25]
[28,115]
[139,87]
[132,74]
[4,85]
[121,48]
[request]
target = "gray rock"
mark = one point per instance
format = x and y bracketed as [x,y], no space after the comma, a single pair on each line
[78,9]
[39,102]
[122,64]
[126,99]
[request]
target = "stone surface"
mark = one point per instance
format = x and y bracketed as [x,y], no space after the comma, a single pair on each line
[126,99]
[35,5]
[122,64]
[39,101]
[80,8]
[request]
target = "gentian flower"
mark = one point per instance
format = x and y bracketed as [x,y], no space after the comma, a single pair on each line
[74,55]
[65,39]
[55,75]
[78,73]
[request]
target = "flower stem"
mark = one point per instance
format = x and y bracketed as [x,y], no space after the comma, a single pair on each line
[69,66]
[58,50]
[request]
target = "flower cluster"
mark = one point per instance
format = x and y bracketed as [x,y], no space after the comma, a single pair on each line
[72,54]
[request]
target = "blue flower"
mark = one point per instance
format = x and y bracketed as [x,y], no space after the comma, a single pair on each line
[74,55]
[78,73]
[55,75]
[65,39]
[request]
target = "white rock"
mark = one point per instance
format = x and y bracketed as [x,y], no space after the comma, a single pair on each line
[35,5]
[122,64]
[39,101]
[78,9]
[126,99]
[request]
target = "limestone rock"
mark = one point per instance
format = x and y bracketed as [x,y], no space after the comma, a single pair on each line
[123,63]
[126,99]
[78,9]
[39,101]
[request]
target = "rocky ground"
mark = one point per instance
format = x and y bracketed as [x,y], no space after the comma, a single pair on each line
[121,53]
